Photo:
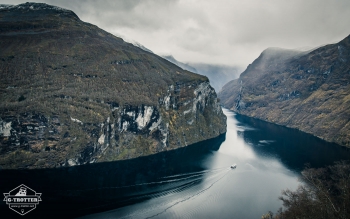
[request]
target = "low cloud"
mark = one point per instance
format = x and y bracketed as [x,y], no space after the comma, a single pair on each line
[229,32]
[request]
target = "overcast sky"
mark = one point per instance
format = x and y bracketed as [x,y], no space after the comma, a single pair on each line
[230,32]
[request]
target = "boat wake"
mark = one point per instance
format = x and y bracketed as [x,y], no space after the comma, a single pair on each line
[181,187]
[191,196]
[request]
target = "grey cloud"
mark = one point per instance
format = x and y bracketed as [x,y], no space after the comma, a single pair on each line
[141,14]
[227,32]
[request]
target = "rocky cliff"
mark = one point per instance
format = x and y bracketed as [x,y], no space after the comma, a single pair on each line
[73,94]
[309,91]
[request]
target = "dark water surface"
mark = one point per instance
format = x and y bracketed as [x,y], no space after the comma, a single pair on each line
[192,182]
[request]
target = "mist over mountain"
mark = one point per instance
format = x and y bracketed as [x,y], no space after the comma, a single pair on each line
[218,74]
[182,65]
[135,43]
[306,90]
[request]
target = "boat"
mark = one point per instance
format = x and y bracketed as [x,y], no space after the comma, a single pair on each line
[233,166]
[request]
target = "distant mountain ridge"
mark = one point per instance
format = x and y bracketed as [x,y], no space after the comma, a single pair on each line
[218,74]
[182,65]
[306,90]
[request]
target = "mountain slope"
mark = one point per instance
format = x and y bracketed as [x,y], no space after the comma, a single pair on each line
[309,91]
[72,94]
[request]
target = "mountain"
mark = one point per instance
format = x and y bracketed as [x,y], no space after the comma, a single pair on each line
[72,93]
[306,90]
[141,46]
[182,65]
[135,43]
[217,74]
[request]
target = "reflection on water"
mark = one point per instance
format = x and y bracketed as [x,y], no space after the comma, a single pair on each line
[291,147]
[80,190]
[191,182]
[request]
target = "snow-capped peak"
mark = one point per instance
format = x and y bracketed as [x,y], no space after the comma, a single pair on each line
[32,6]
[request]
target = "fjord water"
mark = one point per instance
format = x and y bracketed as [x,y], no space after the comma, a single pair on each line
[269,159]
[191,182]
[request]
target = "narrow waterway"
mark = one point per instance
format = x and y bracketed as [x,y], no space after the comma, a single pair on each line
[269,159]
[191,182]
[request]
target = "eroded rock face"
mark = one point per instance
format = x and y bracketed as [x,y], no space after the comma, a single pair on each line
[33,140]
[74,94]
[308,91]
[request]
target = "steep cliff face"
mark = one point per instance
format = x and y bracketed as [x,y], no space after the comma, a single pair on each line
[309,91]
[73,94]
